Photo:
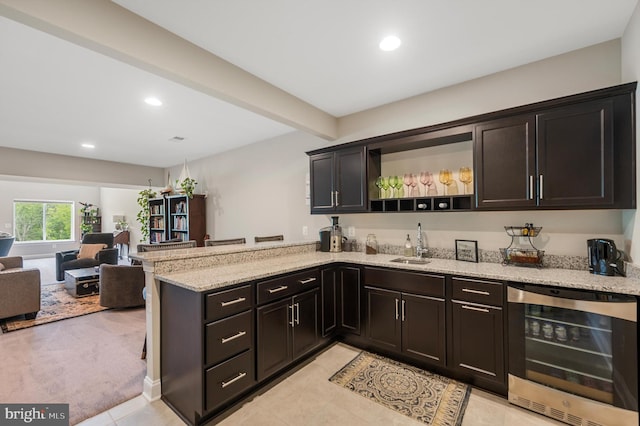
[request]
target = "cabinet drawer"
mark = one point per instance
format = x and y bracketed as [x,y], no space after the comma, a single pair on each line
[410,282]
[229,379]
[228,337]
[228,302]
[287,285]
[484,292]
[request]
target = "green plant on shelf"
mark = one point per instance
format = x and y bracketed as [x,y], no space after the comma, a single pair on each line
[188,185]
[144,214]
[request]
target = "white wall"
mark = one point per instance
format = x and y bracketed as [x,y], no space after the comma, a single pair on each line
[121,201]
[259,189]
[631,72]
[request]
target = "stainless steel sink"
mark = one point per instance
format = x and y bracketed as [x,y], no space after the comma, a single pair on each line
[411,260]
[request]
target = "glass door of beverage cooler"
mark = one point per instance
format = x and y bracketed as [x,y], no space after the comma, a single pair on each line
[583,343]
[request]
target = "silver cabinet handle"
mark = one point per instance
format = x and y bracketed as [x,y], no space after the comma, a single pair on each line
[403,309]
[541,186]
[531,187]
[333,198]
[307,281]
[470,290]
[443,205]
[234,337]
[397,308]
[277,289]
[297,321]
[235,379]
[337,204]
[233,302]
[422,206]
[473,308]
[292,322]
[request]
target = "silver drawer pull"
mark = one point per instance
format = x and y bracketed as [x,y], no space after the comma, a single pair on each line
[235,379]
[277,289]
[235,336]
[472,308]
[233,302]
[307,281]
[470,290]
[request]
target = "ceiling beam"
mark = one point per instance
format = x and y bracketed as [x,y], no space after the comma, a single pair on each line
[112,30]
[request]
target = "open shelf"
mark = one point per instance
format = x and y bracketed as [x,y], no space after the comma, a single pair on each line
[422,204]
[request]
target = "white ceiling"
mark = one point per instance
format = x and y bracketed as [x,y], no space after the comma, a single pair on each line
[56,95]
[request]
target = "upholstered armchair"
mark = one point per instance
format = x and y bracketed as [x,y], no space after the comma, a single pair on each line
[121,286]
[19,289]
[77,259]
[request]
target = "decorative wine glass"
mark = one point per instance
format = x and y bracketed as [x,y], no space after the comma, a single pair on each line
[385,186]
[379,185]
[407,182]
[466,177]
[393,181]
[445,179]
[399,187]
[415,192]
[433,189]
[424,178]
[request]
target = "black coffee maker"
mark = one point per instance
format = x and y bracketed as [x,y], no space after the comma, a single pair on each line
[604,257]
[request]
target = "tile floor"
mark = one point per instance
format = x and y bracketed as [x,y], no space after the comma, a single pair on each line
[308,398]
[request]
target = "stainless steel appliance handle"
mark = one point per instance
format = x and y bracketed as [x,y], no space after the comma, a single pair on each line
[233,302]
[235,379]
[623,310]
[234,337]
[277,289]
[307,281]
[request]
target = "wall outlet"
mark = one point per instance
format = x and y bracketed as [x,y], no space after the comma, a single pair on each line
[305,231]
[351,231]
[7,226]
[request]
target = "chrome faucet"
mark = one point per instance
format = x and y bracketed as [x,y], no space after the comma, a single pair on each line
[420,249]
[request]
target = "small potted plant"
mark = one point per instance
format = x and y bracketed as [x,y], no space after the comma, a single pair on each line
[188,185]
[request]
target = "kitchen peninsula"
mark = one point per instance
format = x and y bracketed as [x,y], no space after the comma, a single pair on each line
[301,299]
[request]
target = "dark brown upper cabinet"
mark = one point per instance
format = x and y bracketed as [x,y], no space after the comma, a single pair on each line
[338,181]
[568,157]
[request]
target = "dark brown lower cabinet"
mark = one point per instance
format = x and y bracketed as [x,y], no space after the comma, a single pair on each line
[407,323]
[286,330]
[477,330]
[340,294]
[207,349]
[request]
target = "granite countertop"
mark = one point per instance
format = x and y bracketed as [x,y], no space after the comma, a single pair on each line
[222,276]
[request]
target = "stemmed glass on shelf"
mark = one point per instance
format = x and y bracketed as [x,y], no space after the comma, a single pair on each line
[399,187]
[415,192]
[407,182]
[393,181]
[433,189]
[385,186]
[379,185]
[466,177]
[445,178]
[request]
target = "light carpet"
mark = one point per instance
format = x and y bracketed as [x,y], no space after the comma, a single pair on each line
[423,396]
[55,304]
[91,362]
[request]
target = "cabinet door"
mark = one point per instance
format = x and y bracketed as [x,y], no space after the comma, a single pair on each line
[274,337]
[321,175]
[575,155]
[383,318]
[351,180]
[505,163]
[478,340]
[329,296]
[423,328]
[349,306]
[305,324]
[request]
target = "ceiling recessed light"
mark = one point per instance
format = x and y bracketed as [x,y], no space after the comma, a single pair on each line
[153,101]
[88,145]
[390,43]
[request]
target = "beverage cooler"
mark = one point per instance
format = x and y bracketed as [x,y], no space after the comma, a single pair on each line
[573,354]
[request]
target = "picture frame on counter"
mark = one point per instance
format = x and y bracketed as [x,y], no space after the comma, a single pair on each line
[467,250]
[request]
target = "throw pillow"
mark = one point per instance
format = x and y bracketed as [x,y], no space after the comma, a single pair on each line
[89,251]
[1,266]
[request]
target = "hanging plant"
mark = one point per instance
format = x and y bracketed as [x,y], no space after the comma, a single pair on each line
[144,214]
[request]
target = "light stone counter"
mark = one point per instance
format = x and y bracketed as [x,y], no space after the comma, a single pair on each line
[225,275]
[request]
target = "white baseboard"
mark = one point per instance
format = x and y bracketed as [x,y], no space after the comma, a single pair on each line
[151,389]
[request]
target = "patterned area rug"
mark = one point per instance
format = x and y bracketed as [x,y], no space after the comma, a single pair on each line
[55,305]
[423,396]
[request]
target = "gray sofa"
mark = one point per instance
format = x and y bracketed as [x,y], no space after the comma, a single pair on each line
[19,289]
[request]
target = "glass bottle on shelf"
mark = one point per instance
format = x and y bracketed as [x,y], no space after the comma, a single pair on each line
[408,247]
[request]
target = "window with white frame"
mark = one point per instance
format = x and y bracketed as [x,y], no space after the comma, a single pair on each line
[42,220]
